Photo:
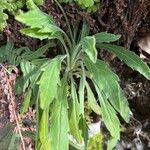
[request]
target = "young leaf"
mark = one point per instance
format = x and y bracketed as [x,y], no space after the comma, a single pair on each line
[108,82]
[59,119]
[88,45]
[85,30]
[106,37]
[130,58]
[49,82]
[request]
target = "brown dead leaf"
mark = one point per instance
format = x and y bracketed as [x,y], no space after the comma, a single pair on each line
[144,45]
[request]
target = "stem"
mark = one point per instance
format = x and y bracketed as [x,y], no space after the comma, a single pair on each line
[69,27]
[75,54]
[67,52]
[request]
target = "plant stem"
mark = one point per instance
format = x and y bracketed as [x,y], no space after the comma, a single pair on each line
[69,27]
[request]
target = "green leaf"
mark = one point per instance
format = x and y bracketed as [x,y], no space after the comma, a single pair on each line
[107,81]
[33,32]
[110,118]
[88,45]
[74,113]
[130,58]
[14,142]
[50,29]
[84,129]
[81,89]
[92,103]
[31,73]
[26,102]
[44,129]
[40,52]
[35,19]
[85,30]
[49,81]
[59,119]
[86,3]
[106,37]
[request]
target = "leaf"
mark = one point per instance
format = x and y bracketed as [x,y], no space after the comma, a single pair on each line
[14,142]
[44,129]
[86,3]
[26,102]
[50,29]
[85,30]
[106,37]
[81,89]
[130,58]
[110,118]
[31,73]
[35,19]
[59,119]
[88,45]
[40,52]
[107,82]
[84,128]
[92,101]
[49,81]
[74,112]
[33,32]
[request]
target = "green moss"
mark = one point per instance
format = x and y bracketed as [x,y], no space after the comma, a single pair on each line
[96,142]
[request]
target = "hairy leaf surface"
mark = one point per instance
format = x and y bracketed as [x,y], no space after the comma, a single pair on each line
[106,37]
[110,118]
[92,101]
[35,19]
[74,115]
[130,58]
[59,119]
[49,81]
[88,45]
[108,82]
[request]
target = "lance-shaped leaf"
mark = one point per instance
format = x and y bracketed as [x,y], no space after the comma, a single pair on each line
[88,45]
[35,19]
[92,100]
[109,117]
[44,129]
[74,112]
[130,58]
[26,102]
[108,82]
[85,30]
[49,81]
[33,32]
[39,52]
[59,119]
[82,88]
[106,37]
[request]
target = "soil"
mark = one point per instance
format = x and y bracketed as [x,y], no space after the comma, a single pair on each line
[131,19]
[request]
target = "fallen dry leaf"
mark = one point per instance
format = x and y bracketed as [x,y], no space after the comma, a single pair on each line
[144,45]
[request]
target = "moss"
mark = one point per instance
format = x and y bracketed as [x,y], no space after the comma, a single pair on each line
[96,142]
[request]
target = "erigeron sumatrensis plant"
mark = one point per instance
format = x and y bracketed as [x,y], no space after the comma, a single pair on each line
[52,83]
